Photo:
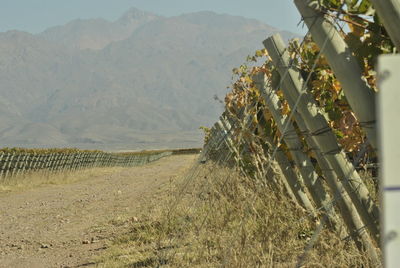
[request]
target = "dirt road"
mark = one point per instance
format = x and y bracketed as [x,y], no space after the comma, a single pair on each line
[64,225]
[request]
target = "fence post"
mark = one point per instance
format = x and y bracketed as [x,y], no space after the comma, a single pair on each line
[6,165]
[209,145]
[76,158]
[49,162]
[35,161]
[212,144]
[226,130]
[388,108]
[52,162]
[23,164]
[131,159]
[15,165]
[82,159]
[9,164]
[70,161]
[44,158]
[60,158]
[73,161]
[273,175]
[66,162]
[223,126]
[2,163]
[29,162]
[82,162]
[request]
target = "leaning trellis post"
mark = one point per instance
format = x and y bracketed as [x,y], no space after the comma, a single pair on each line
[273,176]
[216,143]
[2,163]
[294,87]
[389,14]
[229,126]
[292,181]
[210,145]
[295,147]
[345,66]
[225,140]
[9,163]
[218,139]
[226,128]
[347,209]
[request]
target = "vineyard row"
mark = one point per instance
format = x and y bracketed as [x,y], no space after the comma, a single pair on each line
[304,122]
[19,161]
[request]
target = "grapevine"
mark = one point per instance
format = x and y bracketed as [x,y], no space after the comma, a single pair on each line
[364,33]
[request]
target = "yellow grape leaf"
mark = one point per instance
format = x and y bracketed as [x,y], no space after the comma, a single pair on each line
[285,108]
[337,86]
[276,138]
[255,91]
[322,61]
[267,115]
[255,120]
[311,153]
[248,80]
[354,27]
[264,51]
[317,83]
[314,48]
[259,53]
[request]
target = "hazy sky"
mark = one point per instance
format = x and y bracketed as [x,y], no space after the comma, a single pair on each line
[36,15]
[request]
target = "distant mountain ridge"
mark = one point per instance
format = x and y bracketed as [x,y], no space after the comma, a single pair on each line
[141,81]
[97,33]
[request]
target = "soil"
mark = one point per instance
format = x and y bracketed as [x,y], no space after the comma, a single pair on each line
[68,225]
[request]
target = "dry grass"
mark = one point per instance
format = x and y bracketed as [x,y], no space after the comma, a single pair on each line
[216,218]
[40,178]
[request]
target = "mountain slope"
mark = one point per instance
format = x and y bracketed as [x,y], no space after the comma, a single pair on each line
[97,33]
[143,80]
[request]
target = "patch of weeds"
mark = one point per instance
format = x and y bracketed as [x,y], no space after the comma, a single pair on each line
[224,219]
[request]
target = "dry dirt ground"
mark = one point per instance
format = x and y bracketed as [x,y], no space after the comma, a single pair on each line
[68,225]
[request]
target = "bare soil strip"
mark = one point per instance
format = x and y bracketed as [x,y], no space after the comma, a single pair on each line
[65,225]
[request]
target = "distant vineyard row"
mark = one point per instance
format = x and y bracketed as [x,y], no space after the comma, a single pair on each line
[16,161]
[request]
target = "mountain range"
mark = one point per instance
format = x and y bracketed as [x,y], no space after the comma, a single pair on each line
[142,81]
